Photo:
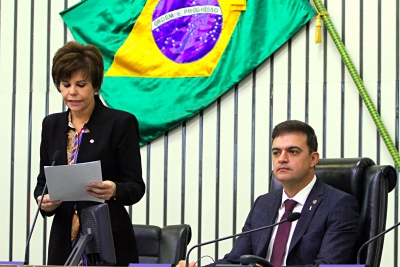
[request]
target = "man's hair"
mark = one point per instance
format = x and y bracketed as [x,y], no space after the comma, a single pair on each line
[73,57]
[294,126]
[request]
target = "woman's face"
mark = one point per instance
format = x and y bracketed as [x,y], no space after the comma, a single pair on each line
[78,94]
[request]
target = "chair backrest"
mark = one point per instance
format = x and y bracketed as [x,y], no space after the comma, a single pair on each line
[370,185]
[162,245]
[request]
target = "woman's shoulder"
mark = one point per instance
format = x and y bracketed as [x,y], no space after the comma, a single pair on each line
[104,110]
[119,119]
[118,115]
[55,117]
[55,123]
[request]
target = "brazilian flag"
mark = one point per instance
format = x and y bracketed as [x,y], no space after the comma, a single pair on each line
[165,60]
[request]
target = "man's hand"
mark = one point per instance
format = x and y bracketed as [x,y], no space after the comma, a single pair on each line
[183,264]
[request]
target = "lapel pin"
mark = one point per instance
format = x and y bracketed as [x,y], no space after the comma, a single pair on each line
[92,141]
[314,201]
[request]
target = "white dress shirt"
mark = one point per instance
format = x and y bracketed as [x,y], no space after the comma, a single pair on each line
[300,198]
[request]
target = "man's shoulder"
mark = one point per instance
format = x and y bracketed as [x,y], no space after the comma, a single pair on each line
[269,196]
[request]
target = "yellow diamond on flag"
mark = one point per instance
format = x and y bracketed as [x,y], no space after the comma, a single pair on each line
[176,39]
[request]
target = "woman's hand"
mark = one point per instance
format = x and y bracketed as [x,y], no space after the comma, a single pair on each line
[47,204]
[103,190]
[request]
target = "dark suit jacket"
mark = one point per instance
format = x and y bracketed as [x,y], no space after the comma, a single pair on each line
[326,233]
[114,140]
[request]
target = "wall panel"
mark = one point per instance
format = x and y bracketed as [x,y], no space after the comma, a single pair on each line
[262,115]
[351,121]
[333,120]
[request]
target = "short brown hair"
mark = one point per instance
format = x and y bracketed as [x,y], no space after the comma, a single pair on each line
[292,126]
[73,57]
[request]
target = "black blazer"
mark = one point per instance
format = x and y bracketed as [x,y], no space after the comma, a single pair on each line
[114,140]
[325,233]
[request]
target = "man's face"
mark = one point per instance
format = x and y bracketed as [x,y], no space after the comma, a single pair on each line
[292,162]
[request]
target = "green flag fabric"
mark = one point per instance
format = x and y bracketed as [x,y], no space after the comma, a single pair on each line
[165,60]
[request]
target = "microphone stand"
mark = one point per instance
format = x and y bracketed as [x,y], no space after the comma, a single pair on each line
[26,261]
[373,239]
[292,217]
[56,155]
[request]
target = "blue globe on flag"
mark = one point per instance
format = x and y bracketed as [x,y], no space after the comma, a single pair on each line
[186,30]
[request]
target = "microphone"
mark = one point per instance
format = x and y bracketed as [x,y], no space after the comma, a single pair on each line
[290,218]
[54,159]
[373,239]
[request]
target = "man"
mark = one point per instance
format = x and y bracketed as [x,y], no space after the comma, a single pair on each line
[327,229]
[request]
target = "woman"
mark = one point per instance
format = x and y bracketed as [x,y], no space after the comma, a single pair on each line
[89,131]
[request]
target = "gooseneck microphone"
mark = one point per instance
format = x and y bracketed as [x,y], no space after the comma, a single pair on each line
[290,218]
[54,159]
[373,239]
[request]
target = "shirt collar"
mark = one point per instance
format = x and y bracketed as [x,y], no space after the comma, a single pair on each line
[70,125]
[301,196]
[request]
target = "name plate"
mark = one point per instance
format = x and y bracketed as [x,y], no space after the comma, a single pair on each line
[11,263]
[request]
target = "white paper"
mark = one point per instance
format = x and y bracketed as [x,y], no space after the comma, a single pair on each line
[68,182]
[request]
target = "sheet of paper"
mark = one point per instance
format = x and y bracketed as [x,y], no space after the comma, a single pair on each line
[68,182]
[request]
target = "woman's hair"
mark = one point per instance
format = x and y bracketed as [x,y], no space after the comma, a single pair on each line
[73,57]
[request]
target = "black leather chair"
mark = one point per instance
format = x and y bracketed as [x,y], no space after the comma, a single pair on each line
[162,245]
[369,184]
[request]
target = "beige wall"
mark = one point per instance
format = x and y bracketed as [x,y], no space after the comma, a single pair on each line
[27,43]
